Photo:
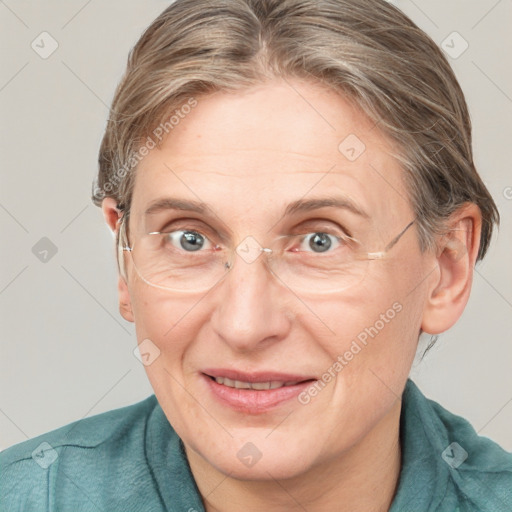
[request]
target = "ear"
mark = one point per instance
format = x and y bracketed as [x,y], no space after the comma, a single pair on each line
[457,251]
[112,216]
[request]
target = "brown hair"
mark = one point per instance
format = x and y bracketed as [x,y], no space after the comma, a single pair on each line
[366,50]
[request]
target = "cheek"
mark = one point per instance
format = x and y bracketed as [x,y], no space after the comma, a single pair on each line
[372,332]
[170,323]
[158,313]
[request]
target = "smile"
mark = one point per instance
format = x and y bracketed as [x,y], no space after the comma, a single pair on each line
[238,384]
[261,395]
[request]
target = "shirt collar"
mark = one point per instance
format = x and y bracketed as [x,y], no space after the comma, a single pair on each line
[424,474]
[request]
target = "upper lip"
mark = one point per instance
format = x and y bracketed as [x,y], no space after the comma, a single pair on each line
[267,376]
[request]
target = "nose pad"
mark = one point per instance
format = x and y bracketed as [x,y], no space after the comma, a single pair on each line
[249,251]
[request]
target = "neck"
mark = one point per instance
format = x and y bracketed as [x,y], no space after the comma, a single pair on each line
[362,479]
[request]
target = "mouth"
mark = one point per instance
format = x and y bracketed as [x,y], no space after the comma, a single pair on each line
[239,384]
[254,393]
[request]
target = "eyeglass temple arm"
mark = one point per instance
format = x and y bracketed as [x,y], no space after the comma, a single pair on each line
[122,245]
[381,254]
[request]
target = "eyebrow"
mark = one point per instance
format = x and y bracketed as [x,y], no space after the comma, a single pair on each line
[299,206]
[171,203]
[341,202]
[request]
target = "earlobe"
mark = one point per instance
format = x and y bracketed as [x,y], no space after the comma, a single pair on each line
[449,293]
[125,303]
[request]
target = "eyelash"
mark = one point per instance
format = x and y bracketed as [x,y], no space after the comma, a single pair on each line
[340,234]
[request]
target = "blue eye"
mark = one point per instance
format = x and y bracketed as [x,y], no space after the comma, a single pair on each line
[321,241]
[188,240]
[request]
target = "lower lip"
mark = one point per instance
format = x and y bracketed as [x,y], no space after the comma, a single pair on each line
[254,401]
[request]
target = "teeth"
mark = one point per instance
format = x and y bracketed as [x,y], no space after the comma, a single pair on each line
[264,385]
[238,384]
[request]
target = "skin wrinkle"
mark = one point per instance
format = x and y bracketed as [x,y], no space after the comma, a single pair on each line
[304,192]
[344,444]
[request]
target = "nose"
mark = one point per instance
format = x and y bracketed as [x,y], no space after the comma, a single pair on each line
[251,309]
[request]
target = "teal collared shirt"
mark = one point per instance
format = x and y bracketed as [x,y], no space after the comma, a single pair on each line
[131,459]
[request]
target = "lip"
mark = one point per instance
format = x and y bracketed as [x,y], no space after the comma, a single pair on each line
[256,376]
[252,401]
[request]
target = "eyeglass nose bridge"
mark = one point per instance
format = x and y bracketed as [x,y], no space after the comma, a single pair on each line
[249,250]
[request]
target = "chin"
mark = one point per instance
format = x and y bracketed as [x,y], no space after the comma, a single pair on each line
[263,470]
[260,460]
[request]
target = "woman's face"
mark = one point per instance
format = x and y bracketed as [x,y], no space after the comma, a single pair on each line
[247,156]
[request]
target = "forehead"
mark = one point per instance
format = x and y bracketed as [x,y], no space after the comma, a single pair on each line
[258,150]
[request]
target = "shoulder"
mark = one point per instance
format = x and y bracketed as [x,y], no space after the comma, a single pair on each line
[85,433]
[476,471]
[92,444]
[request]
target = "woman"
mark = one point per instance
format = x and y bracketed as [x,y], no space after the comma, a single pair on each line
[294,197]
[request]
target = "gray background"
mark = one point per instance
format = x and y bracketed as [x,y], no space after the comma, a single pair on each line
[66,353]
